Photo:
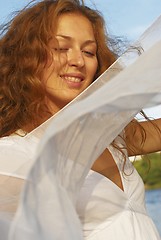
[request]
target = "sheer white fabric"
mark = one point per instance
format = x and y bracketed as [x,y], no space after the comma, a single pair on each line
[75,137]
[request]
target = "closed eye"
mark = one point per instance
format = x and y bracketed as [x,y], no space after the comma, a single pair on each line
[89,53]
[61,49]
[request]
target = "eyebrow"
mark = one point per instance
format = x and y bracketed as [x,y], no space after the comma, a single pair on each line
[69,38]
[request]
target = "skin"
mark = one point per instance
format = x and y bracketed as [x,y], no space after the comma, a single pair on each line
[153,137]
[73,65]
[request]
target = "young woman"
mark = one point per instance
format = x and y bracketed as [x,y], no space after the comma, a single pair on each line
[49,53]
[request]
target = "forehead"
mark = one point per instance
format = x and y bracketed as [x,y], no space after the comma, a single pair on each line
[73,24]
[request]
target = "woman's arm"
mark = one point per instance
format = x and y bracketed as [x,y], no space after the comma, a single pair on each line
[143,137]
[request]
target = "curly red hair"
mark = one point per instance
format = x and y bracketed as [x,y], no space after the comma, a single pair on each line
[23,55]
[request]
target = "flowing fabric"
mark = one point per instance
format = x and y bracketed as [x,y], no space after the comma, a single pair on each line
[76,136]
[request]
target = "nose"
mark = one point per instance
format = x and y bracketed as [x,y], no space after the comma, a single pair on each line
[75,58]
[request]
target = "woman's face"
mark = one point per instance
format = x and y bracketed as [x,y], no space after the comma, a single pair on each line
[74,61]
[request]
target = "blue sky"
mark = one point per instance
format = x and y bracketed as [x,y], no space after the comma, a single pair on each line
[129,18]
[124,18]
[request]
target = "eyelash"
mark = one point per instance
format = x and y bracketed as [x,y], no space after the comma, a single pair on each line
[61,49]
[91,54]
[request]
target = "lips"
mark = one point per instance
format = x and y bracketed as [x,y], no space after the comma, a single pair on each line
[75,78]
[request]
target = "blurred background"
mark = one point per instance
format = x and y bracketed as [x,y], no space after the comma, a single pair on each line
[126,20]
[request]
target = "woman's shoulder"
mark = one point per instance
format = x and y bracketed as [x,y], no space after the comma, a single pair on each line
[16,155]
[6,142]
[11,142]
[18,141]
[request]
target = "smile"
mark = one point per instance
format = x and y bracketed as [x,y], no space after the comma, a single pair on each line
[74,79]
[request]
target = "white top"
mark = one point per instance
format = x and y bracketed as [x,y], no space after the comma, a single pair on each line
[105,211]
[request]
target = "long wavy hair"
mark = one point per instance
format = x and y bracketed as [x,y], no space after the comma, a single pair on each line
[24,49]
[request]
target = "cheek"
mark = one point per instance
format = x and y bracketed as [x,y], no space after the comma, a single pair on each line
[94,68]
[55,61]
[60,60]
[52,67]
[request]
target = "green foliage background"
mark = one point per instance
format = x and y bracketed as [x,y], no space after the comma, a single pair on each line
[149,168]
